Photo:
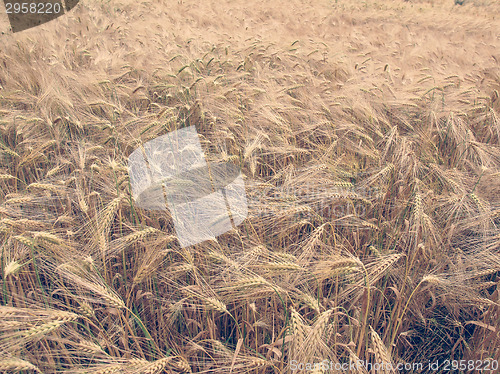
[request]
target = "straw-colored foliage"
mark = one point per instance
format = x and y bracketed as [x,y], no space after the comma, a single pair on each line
[368,134]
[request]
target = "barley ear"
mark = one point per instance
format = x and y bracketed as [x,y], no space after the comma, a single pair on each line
[382,355]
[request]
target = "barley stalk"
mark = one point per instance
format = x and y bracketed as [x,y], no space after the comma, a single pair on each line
[317,333]
[109,369]
[157,366]
[45,186]
[89,347]
[282,266]
[431,279]
[48,237]
[14,365]
[298,328]
[86,309]
[311,301]
[376,270]
[215,304]
[108,214]
[331,268]
[110,297]
[250,282]
[138,235]
[28,242]
[42,329]
[12,268]
[381,353]
[418,207]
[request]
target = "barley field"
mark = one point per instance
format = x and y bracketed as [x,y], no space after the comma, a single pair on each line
[368,133]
